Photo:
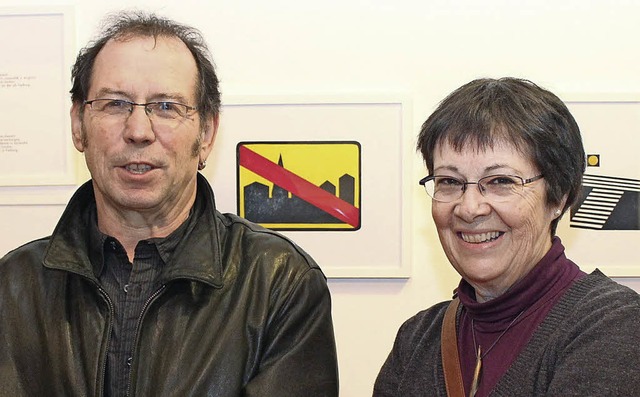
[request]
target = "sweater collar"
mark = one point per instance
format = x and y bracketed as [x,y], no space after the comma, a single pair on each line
[552,273]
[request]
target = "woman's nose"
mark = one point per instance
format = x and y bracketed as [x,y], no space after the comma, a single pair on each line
[472,203]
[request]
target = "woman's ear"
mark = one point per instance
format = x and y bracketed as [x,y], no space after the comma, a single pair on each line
[559,210]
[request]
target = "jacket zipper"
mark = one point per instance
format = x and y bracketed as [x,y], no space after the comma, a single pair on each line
[109,325]
[138,324]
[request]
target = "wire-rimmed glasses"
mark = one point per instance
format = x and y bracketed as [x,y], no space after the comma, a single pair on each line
[161,111]
[494,187]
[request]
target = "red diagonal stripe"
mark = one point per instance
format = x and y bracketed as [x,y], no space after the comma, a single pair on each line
[299,186]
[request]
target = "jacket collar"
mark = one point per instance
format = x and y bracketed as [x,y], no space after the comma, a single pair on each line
[197,257]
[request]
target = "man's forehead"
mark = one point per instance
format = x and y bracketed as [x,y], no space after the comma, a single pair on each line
[148,42]
[140,60]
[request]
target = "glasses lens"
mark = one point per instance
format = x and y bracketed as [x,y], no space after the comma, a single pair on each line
[111,106]
[167,110]
[444,188]
[500,187]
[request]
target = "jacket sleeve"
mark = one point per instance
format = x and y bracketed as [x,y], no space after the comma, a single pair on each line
[601,353]
[299,357]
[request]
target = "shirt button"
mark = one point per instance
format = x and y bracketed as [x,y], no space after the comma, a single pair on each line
[113,245]
[129,360]
[126,288]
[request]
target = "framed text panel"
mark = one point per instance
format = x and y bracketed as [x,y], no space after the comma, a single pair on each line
[35,134]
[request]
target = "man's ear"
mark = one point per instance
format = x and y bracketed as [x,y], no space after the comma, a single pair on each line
[209,137]
[77,133]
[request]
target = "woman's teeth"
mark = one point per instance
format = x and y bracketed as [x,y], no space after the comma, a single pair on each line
[480,237]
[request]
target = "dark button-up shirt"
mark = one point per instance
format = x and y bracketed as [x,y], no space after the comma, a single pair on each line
[129,286]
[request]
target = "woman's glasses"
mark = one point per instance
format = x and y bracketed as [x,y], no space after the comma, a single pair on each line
[494,187]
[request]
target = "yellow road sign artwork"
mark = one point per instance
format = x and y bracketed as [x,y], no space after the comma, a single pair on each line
[300,185]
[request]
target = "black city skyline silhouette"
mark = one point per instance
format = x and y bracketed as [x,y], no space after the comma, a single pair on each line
[280,208]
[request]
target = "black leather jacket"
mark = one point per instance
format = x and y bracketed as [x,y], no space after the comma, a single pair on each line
[242,312]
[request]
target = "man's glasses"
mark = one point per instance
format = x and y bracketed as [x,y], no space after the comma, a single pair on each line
[494,187]
[156,111]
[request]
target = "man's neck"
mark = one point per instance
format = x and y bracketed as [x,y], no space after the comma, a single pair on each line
[130,227]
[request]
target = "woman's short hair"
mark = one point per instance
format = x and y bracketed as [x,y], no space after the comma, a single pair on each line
[125,25]
[509,110]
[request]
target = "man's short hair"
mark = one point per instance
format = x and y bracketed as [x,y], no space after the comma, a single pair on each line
[128,25]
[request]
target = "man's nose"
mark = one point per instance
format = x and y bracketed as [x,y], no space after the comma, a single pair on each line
[138,126]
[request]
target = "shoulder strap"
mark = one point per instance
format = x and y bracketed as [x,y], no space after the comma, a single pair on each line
[449,347]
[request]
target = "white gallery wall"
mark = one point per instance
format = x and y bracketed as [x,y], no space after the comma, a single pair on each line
[421,49]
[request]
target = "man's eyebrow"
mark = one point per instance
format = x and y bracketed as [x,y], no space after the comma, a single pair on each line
[105,92]
[165,96]
[176,97]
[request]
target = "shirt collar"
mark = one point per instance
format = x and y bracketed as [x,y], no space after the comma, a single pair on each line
[196,253]
[166,246]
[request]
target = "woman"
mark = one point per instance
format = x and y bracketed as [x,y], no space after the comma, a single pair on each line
[505,161]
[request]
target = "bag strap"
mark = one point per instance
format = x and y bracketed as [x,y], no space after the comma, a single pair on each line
[449,348]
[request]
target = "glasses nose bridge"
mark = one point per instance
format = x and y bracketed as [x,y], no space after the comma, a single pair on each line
[477,183]
[145,106]
[147,112]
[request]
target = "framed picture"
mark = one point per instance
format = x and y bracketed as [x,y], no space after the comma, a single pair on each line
[328,172]
[35,133]
[300,194]
[603,229]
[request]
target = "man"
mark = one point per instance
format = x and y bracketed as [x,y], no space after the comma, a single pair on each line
[144,288]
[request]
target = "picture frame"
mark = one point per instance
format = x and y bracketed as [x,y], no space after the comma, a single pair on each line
[35,137]
[379,246]
[603,228]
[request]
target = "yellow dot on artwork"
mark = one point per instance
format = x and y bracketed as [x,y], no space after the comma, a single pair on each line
[593,160]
